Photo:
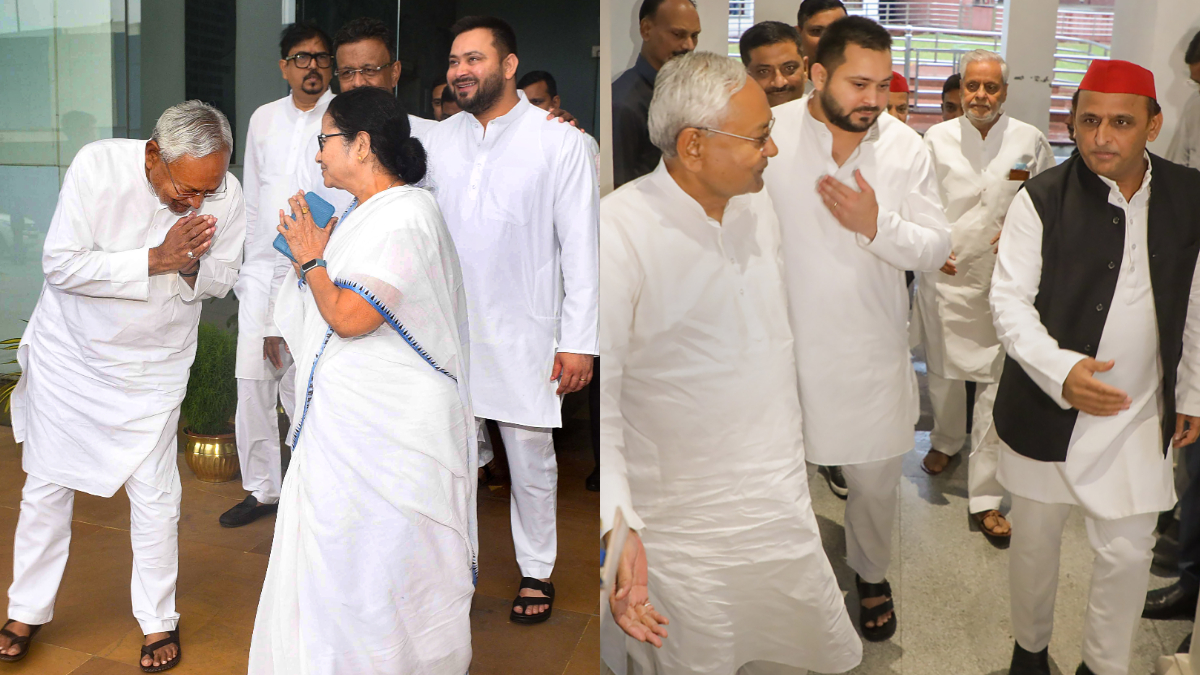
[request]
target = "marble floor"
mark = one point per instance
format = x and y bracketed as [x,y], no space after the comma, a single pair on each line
[221,573]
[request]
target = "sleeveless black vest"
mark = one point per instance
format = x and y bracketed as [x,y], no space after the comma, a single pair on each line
[1083,239]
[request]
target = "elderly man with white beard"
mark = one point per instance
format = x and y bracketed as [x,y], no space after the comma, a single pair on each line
[700,425]
[144,231]
[981,160]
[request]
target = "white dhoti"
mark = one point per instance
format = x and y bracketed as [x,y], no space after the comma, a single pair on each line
[43,537]
[534,502]
[1120,576]
[257,431]
[870,512]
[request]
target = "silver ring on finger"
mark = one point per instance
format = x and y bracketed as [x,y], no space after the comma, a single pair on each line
[191,255]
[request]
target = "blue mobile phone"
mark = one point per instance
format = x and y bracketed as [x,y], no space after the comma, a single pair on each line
[321,212]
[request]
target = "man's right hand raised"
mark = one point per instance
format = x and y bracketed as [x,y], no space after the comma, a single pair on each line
[192,233]
[1084,392]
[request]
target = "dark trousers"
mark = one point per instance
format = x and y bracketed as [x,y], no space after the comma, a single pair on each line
[594,395]
[1189,522]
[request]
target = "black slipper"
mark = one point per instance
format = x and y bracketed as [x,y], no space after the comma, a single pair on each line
[19,640]
[524,602]
[865,590]
[148,650]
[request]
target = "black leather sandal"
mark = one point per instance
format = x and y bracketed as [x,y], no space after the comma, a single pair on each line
[148,650]
[524,602]
[865,590]
[18,640]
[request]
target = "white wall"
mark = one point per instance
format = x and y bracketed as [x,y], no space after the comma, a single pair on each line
[1027,44]
[776,10]
[1154,34]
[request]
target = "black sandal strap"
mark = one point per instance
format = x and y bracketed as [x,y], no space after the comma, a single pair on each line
[867,590]
[545,587]
[13,637]
[873,613]
[173,639]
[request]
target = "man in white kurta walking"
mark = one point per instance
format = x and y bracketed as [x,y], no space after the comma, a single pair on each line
[857,203]
[520,197]
[1096,300]
[1185,145]
[143,232]
[981,159]
[700,429]
[278,162]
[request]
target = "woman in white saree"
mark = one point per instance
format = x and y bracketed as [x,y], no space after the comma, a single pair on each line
[372,567]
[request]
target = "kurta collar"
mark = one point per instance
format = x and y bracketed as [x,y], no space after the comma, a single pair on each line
[643,68]
[873,134]
[507,119]
[324,100]
[663,180]
[997,131]
[1114,191]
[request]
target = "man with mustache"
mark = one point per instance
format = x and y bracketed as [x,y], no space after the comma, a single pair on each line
[143,233]
[1096,299]
[366,57]
[857,202]
[436,96]
[520,197]
[701,422]
[276,165]
[668,28]
[771,53]
[981,160]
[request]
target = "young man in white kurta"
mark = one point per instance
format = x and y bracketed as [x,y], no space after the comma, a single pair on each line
[105,364]
[700,427]
[980,164]
[1115,467]
[276,164]
[848,302]
[520,198]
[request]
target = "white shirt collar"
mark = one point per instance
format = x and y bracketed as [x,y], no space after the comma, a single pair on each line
[1114,191]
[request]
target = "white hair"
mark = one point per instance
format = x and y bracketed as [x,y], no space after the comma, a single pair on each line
[192,128]
[692,90]
[979,56]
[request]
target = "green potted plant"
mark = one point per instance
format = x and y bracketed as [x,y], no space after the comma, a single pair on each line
[209,405]
[8,382]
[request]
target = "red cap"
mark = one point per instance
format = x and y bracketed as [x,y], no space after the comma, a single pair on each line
[899,83]
[1118,77]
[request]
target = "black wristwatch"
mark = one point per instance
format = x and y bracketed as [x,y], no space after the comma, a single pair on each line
[308,266]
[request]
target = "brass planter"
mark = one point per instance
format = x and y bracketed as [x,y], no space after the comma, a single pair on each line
[213,459]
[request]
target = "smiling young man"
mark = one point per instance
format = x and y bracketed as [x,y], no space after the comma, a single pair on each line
[1096,300]
[520,197]
[857,203]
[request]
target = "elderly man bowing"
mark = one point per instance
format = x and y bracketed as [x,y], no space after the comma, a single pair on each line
[144,231]
[981,159]
[700,422]
[1096,300]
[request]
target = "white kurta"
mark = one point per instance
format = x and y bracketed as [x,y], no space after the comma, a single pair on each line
[951,315]
[374,554]
[1115,465]
[106,355]
[521,203]
[848,302]
[698,402]
[276,165]
[1185,145]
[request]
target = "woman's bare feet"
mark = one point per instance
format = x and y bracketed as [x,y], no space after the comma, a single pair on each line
[162,654]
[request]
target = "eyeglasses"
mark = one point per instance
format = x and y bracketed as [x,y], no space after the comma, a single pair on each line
[346,75]
[321,139]
[760,141]
[179,194]
[304,59]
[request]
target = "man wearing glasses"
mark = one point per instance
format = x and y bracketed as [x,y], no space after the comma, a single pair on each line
[280,148]
[366,57]
[144,231]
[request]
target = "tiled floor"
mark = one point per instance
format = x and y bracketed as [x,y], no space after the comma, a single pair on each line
[951,585]
[221,573]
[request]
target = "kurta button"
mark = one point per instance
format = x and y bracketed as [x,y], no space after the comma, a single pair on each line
[1116,221]
[1100,307]
[1111,265]
[1087,349]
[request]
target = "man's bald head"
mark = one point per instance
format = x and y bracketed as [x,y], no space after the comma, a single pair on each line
[668,28]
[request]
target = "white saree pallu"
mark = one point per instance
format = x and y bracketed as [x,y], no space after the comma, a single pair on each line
[373,564]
